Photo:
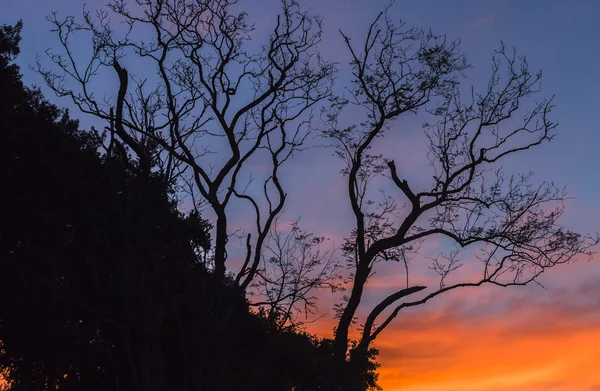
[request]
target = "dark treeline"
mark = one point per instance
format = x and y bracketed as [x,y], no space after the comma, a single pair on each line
[103,281]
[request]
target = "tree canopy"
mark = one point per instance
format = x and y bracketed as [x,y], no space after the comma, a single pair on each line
[106,284]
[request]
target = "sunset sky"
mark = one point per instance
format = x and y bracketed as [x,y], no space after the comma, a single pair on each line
[480,339]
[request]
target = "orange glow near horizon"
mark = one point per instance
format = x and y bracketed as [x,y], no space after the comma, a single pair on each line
[496,339]
[451,358]
[548,343]
[486,357]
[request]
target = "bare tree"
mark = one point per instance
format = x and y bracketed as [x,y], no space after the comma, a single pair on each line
[204,89]
[294,265]
[511,224]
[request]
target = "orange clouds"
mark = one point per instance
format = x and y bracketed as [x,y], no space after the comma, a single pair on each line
[496,339]
[484,358]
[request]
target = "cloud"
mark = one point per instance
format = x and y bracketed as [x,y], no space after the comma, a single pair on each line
[493,339]
[486,20]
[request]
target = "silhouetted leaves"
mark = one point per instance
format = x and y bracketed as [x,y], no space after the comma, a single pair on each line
[106,285]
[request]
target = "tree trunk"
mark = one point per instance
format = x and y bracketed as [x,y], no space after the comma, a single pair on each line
[220,243]
[340,346]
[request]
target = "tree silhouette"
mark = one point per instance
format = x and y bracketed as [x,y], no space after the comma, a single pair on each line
[503,223]
[212,87]
[105,284]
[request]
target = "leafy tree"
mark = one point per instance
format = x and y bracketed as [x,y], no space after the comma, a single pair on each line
[105,284]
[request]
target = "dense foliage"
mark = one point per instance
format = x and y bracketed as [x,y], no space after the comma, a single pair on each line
[104,282]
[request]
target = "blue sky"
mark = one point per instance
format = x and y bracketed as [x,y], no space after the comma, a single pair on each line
[561,38]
